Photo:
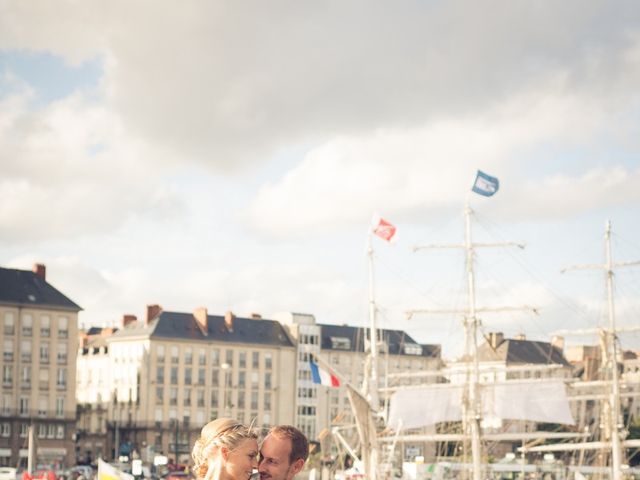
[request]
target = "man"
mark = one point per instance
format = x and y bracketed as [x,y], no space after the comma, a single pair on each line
[282,453]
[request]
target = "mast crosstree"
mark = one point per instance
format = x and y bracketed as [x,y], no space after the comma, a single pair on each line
[471,407]
[610,356]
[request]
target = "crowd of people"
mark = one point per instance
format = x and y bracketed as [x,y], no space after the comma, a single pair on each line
[229,450]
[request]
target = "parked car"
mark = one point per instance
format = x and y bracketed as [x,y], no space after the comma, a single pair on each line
[84,471]
[7,473]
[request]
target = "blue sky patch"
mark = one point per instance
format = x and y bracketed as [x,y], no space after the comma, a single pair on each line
[50,76]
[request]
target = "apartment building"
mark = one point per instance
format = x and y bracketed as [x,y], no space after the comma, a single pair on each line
[345,348]
[172,372]
[39,340]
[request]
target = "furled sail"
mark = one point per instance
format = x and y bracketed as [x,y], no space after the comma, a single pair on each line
[540,401]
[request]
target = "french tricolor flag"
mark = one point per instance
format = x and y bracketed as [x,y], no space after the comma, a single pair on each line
[322,377]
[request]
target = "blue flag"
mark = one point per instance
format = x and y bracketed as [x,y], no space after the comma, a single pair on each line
[485,184]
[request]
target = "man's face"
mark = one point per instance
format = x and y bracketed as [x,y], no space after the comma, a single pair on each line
[274,459]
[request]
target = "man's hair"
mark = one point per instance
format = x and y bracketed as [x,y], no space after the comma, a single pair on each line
[299,443]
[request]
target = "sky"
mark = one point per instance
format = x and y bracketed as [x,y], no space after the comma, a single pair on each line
[231,155]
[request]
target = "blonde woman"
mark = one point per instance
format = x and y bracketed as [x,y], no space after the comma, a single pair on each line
[226,450]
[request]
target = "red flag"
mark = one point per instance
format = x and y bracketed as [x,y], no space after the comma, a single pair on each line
[384,229]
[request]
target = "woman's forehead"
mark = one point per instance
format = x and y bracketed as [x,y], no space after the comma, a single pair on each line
[248,444]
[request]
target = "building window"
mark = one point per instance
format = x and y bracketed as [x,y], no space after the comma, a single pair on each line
[255,360]
[45,326]
[214,399]
[174,376]
[187,397]
[42,430]
[62,353]
[187,376]
[267,380]
[63,327]
[59,406]
[267,361]
[159,394]
[228,358]
[254,379]
[215,357]
[173,396]
[160,375]
[242,359]
[5,429]
[200,399]
[25,376]
[24,405]
[160,354]
[202,357]
[51,431]
[241,395]
[27,325]
[25,351]
[174,354]
[7,375]
[306,410]
[9,327]
[201,376]
[24,430]
[188,355]
[215,377]
[44,353]
[61,380]
[7,403]
[254,400]
[42,406]
[60,432]
[267,401]
[7,353]
[241,379]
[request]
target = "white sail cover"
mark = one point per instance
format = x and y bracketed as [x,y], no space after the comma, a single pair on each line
[419,407]
[536,401]
[544,401]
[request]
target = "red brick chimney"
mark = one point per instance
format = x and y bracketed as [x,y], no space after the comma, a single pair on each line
[40,270]
[128,319]
[152,312]
[202,319]
[228,320]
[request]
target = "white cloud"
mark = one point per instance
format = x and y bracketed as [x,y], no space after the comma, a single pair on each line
[431,167]
[226,84]
[70,169]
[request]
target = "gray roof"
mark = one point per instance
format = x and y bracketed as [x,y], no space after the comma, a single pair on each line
[395,339]
[513,351]
[183,326]
[25,288]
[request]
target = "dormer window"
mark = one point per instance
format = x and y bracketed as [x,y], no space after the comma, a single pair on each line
[340,343]
[412,349]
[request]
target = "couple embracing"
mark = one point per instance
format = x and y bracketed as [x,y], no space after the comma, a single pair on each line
[228,450]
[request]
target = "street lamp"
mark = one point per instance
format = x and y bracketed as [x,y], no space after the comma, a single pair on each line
[225,401]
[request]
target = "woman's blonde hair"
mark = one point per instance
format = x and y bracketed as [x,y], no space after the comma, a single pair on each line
[222,432]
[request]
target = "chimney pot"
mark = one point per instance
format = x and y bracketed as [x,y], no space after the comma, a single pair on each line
[40,270]
[255,316]
[228,320]
[202,319]
[495,339]
[152,312]
[558,342]
[128,319]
